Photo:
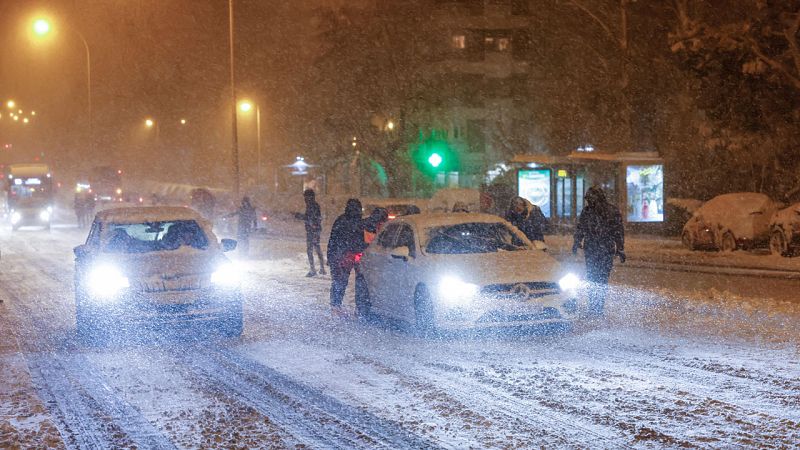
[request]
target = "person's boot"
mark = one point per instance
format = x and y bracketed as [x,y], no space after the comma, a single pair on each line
[311,273]
[322,270]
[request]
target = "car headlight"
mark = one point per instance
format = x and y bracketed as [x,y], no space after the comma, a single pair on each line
[226,275]
[15,217]
[569,282]
[107,281]
[44,215]
[454,291]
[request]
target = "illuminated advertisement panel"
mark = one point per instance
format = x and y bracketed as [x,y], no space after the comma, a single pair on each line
[534,185]
[645,193]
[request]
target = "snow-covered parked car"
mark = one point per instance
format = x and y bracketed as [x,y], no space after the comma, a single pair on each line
[784,237]
[154,266]
[730,221]
[465,271]
[396,207]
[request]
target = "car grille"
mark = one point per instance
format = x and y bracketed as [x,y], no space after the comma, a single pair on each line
[496,316]
[177,284]
[521,291]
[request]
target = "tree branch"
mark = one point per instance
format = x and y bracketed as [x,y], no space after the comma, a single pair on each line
[597,19]
[775,64]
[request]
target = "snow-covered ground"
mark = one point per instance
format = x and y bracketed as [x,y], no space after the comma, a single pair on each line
[675,364]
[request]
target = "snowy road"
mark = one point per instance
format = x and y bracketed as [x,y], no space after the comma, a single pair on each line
[675,365]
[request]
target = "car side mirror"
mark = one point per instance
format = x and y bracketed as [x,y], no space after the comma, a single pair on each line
[81,251]
[401,253]
[228,245]
[540,245]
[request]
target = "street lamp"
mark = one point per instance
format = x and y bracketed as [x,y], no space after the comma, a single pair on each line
[42,27]
[10,104]
[234,137]
[149,123]
[246,106]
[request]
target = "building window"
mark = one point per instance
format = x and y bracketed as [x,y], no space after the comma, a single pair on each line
[476,136]
[497,41]
[459,41]
[503,44]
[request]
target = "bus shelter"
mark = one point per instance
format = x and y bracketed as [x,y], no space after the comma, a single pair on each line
[633,181]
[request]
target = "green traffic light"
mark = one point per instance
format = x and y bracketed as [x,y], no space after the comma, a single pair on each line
[435,160]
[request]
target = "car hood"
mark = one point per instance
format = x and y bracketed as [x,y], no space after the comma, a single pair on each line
[497,268]
[183,261]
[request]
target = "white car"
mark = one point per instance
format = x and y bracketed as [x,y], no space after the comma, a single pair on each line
[464,271]
[730,221]
[154,266]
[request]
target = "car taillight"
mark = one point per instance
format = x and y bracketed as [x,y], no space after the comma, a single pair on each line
[357,257]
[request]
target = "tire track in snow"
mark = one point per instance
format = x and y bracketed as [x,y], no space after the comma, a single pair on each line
[86,405]
[311,416]
[571,430]
[693,402]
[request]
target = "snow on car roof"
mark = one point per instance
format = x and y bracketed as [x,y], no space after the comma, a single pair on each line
[430,220]
[140,214]
[749,201]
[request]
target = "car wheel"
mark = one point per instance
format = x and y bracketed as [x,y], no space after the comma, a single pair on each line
[687,240]
[233,323]
[423,311]
[728,243]
[90,330]
[777,244]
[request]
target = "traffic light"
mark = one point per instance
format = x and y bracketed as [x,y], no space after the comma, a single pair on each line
[435,155]
[435,160]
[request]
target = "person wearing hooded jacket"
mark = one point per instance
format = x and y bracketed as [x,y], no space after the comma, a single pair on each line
[345,245]
[313,223]
[528,218]
[601,234]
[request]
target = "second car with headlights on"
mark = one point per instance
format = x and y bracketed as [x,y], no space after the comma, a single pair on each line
[457,271]
[154,266]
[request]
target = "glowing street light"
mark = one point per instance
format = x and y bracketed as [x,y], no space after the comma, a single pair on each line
[183,121]
[25,120]
[41,27]
[149,123]
[246,106]
[16,118]
[11,104]
[390,125]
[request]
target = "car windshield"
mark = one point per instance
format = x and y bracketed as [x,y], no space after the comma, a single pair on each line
[153,236]
[473,238]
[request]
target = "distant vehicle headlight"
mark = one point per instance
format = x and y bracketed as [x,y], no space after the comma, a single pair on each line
[454,291]
[569,282]
[107,281]
[44,215]
[226,275]
[15,217]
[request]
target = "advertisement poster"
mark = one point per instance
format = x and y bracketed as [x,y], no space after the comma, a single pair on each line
[646,193]
[534,185]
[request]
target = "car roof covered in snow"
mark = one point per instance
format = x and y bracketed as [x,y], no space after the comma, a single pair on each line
[141,214]
[738,201]
[430,220]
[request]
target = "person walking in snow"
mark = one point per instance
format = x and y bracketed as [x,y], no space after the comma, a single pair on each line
[313,223]
[601,234]
[345,245]
[246,223]
[528,218]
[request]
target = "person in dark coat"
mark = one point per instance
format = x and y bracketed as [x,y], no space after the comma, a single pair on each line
[528,218]
[601,234]
[313,223]
[345,246]
[245,225]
